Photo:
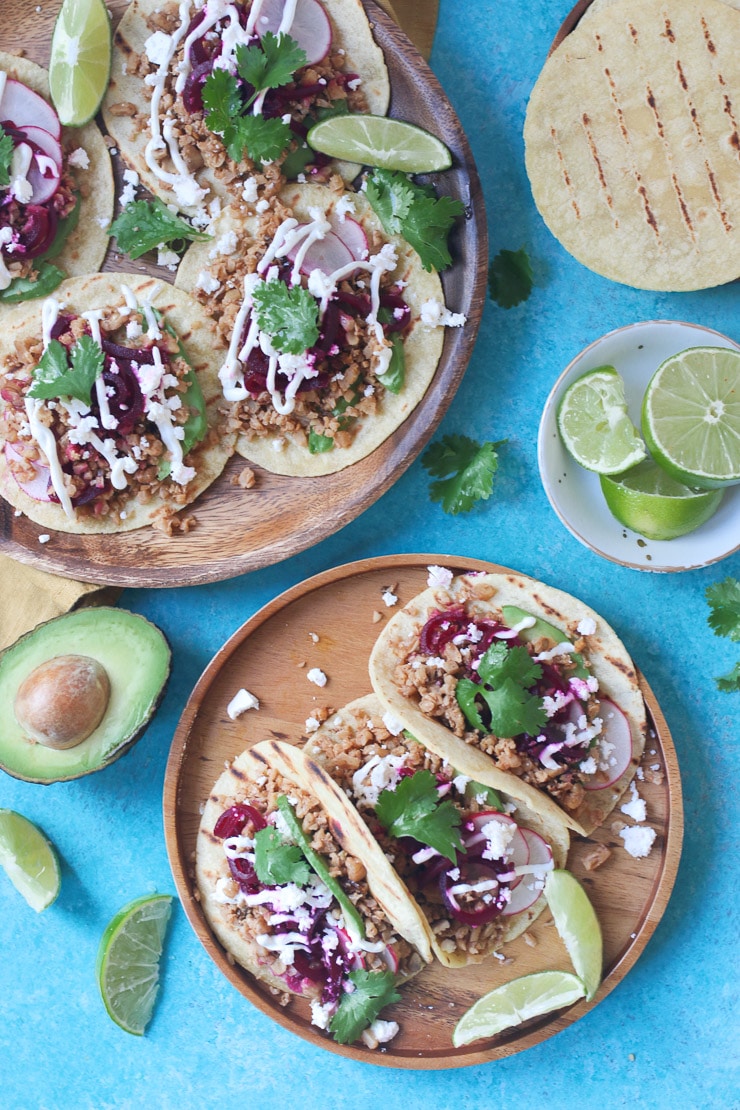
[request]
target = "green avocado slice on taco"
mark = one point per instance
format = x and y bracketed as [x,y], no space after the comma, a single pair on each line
[518,685]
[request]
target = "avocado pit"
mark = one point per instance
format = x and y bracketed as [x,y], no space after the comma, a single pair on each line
[62,701]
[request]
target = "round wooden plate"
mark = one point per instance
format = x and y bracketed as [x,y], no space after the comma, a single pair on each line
[331,622]
[240,530]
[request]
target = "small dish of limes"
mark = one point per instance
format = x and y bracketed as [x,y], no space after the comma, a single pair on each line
[639,446]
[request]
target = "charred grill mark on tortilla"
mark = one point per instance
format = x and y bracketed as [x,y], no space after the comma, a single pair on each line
[642,191]
[586,121]
[653,104]
[696,123]
[566,175]
[669,32]
[238,774]
[633,32]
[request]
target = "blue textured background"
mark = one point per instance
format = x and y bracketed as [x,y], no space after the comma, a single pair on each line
[668,1035]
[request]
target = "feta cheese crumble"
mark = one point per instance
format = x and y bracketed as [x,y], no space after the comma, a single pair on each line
[439,577]
[240,703]
[638,840]
[316,676]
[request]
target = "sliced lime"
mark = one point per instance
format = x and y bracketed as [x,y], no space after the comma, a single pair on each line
[80,62]
[128,960]
[578,925]
[691,416]
[29,860]
[390,144]
[515,1002]
[650,502]
[594,425]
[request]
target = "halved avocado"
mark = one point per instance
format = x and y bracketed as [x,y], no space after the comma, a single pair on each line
[136,657]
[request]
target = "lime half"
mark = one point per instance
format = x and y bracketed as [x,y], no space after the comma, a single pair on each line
[29,860]
[515,1002]
[576,921]
[691,416]
[390,144]
[79,68]
[128,960]
[647,500]
[594,425]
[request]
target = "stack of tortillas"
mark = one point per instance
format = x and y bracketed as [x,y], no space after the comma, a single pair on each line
[633,142]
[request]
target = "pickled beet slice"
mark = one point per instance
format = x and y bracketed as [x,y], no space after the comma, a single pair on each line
[232,821]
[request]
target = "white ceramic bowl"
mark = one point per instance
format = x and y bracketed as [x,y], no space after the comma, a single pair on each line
[636,352]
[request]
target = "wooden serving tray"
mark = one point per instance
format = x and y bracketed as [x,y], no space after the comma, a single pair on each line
[270,656]
[240,530]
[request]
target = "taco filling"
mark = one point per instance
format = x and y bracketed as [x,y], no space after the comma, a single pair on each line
[103,410]
[234,89]
[296,907]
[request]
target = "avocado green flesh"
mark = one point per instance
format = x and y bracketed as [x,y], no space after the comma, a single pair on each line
[513,615]
[137,658]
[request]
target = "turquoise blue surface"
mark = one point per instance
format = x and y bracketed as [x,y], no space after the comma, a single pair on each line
[667,1036]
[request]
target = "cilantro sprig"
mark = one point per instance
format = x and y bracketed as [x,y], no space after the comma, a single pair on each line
[6,156]
[146,224]
[414,809]
[724,620]
[465,471]
[271,64]
[507,675]
[289,316]
[510,278]
[276,861]
[374,990]
[415,212]
[729,683]
[55,377]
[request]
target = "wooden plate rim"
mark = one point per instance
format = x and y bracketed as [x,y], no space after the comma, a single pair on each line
[471,1055]
[569,23]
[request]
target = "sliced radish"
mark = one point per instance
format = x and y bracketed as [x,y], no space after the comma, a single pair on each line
[38,487]
[353,236]
[616,733]
[310,28]
[25,108]
[391,958]
[46,167]
[327,254]
[527,892]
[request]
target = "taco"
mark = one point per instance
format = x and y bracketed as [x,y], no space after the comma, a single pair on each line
[56,188]
[340,347]
[519,686]
[297,891]
[184,102]
[109,405]
[474,861]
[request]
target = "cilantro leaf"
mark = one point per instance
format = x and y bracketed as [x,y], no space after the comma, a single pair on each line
[414,809]
[6,156]
[724,602]
[729,683]
[289,316]
[319,444]
[357,1010]
[510,278]
[513,711]
[146,224]
[263,139]
[500,662]
[53,376]
[272,63]
[276,861]
[413,211]
[221,100]
[466,470]
[23,289]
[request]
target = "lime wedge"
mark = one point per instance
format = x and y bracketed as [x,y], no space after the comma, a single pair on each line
[647,500]
[594,425]
[390,144]
[79,68]
[515,1002]
[128,960]
[691,416]
[29,860]
[578,926]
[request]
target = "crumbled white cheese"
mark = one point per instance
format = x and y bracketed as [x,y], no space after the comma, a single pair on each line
[316,676]
[344,205]
[249,190]
[79,158]
[588,766]
[207,282]
[435,315]
[439,577]
[240,703]
[393,724]
[157,48]
[226,244]
[44,538]
[499,835]
[170,259]
[321,1013]
[638,840]
[635,808]
[128,193]
[390,599]
[380,1032]
[312,725]
[587,626]
[460,782]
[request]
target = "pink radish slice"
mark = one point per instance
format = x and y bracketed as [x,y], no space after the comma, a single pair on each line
[527,893]
[311,28]
[44,184]
[25,108]
[38,487]
[327,254]
[352,235]
[615,731]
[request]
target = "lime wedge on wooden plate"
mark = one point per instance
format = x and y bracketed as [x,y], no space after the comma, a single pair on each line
[29,860]
[594,424]
[691,416]
[578,926]
[128,960]
[512,1003]
[79,68]
[650,502]
[390,144]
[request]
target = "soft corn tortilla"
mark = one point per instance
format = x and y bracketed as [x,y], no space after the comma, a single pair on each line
[351,718]
[193,328]
[85,247]
[632,143]
[423,345]
[210,864]
[605,655]
[351,32]
[600,5]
